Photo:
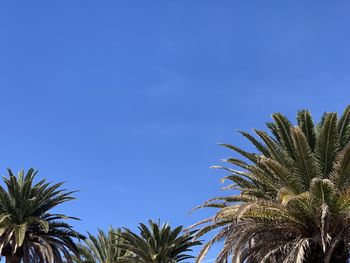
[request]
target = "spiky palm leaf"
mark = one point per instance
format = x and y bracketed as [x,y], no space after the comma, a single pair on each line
[28,232]
[293,200]
[102,248]
[157,244]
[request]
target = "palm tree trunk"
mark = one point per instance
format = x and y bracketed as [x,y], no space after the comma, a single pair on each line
[315,257]
[339,255]
[13,259]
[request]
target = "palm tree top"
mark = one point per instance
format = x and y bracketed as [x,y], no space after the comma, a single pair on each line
[290,198]
[101,248]
[28,230]
[24,197]
[157,243]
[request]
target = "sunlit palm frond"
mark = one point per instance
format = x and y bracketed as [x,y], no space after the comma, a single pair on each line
[293,199]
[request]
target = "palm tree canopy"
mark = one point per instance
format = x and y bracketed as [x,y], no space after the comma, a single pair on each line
[102,248]
[28,231]
[290,199]
[157,244]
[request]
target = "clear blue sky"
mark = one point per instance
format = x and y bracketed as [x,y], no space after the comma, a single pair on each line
[126,100]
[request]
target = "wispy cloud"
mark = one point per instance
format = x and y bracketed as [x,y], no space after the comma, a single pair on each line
[167,82]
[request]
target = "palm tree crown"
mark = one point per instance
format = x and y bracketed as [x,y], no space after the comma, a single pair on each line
[101,249]
[157,244]
[293,198]
[28,231]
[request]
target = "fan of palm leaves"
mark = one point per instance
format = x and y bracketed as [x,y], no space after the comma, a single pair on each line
[28,232]
[157,244]
[290,200]
[102,248]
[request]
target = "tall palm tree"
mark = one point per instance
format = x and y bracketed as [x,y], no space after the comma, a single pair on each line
[101,249]
[157,244]
[28,232]
[291,199]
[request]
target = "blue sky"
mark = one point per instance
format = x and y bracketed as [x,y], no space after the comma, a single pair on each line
[127,100]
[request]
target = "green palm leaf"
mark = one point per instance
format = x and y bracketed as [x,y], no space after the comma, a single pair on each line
[327,143]
[307,126]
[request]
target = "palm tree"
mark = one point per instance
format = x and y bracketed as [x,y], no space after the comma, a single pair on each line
[157,244]
[293,198]
[101,249]
[28,232]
